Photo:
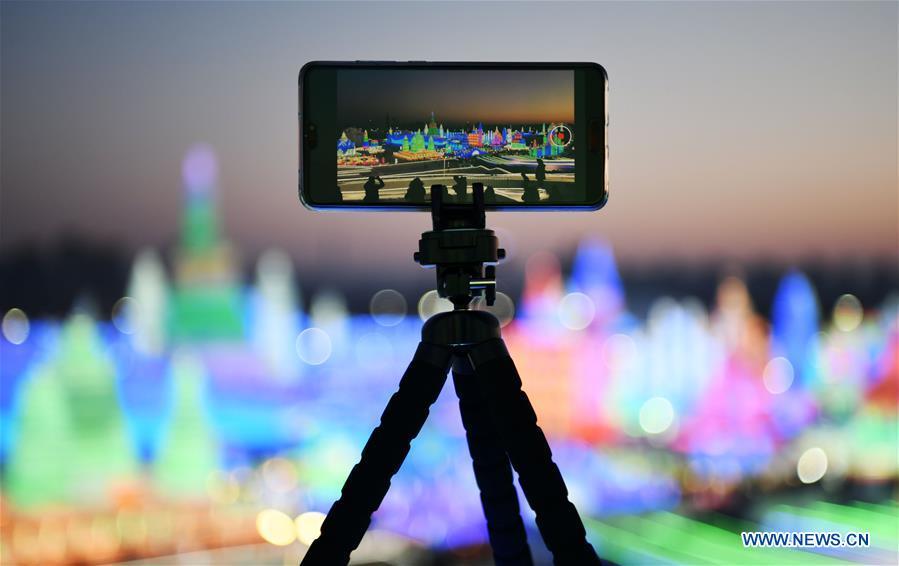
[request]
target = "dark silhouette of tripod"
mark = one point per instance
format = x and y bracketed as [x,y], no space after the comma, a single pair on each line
[500,423]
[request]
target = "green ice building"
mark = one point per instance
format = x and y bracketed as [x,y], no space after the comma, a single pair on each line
[206,303]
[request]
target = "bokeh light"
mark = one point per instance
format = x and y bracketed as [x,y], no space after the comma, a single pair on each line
[656,415]
[847,313]
[388,307]
[432,303]
[276,527]
[576,311]
[309,526]
[778,375]
[15,326]
[123,315]
[313,345]
[812,465]
[503,308]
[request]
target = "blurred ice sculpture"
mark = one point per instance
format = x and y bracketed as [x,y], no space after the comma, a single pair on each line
[207,301]
[102,454]
[199,172]
[329,312]
[34,475]
[73,445]
[542,290]
[275,319]
[147,315]
[188,454]
[794,325]
[595,274]
[736,324]
[679,352]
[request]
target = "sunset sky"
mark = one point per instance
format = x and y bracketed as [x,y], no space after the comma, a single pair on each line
[739,131]
[457,97]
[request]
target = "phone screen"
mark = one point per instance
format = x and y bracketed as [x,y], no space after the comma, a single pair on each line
[511,130]
[397,131]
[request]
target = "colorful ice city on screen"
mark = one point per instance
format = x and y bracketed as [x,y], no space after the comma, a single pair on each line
[206,414]
[517,164]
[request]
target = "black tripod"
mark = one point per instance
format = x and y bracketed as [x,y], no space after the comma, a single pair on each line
[500,424]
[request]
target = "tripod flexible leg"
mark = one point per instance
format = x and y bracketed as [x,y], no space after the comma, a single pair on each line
[542,483]
[492,471]
[382,457]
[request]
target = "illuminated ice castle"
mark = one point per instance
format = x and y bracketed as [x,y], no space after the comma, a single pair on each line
[206,302]
[202,328]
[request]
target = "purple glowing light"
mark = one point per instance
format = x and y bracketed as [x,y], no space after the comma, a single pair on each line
[199,170]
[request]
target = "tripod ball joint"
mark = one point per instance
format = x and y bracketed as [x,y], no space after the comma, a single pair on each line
[459,246]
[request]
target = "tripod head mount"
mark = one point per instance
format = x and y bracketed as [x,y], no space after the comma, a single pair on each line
[458,246]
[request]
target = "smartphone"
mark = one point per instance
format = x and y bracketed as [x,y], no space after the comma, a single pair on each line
[377,135]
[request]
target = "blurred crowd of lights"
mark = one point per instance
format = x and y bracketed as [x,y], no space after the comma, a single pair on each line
[650,367]
[209,414]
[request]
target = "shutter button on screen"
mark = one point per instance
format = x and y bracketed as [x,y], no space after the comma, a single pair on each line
[560,136]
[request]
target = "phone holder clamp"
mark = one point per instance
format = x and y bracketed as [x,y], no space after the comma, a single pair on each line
[459,246]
